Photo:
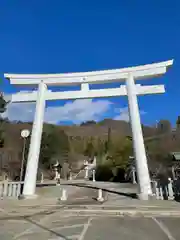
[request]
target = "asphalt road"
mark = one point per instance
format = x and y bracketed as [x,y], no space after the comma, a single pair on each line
[59,225]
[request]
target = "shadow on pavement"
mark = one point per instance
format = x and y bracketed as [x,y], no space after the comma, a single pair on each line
[45,212]
[130,195]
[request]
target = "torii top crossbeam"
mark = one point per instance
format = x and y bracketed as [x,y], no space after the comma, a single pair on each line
[94,77]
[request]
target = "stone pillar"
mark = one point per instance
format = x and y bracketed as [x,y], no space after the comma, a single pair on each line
[42,177]
[56,173]
[64,195]
[170,189]
[70,176]
[161,193]
[86,172]
[157,191]
[35,143]
[94,175]
[173,173]
[138,142]
[100,195]
[134,175]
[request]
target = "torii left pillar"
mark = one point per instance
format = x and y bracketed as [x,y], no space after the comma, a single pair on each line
[35,144]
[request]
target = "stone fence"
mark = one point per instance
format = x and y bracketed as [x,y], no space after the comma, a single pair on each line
[165,191]
[168,191]
[10,189]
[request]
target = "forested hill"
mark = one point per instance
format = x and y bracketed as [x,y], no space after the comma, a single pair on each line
[110,140]
[85,130]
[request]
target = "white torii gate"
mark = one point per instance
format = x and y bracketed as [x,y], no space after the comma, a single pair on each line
[129,75]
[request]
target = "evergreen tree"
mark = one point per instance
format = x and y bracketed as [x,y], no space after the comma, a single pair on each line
[120,152]
[3,105]
[89,150]
[164,126]
[108,142]
[54,146]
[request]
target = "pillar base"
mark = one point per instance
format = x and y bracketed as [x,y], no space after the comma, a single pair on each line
[134,182]
[144,196]
[100,199]
[24,197]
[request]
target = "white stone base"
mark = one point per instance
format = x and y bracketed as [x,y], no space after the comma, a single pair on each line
[142,196]
[26,197]
[64,195]
[100,199]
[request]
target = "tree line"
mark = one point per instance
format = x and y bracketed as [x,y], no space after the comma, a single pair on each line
[111,153]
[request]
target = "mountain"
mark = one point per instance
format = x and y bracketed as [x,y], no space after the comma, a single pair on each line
[13,138]
[100,129]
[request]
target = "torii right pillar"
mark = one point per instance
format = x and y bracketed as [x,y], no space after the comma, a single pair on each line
[138,142]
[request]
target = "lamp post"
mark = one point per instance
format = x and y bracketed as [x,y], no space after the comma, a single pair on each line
[24,134]
[157,124]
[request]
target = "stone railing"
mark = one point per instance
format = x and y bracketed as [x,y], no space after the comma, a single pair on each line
[163,192]
[10,189]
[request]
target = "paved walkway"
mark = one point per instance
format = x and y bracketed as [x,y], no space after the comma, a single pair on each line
[83,195]
[56,225]
[81,217]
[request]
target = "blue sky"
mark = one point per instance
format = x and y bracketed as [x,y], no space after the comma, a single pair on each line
[71,36]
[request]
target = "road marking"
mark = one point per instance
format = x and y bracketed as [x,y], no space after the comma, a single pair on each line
[164,229]
[68,226]
[42,220]
[63,238]
[86,226]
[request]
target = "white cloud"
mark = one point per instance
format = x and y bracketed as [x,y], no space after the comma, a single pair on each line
[124,114]
[20,112]
[76,111]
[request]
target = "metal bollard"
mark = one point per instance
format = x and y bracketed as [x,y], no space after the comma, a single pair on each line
[64,195]
[100,196]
